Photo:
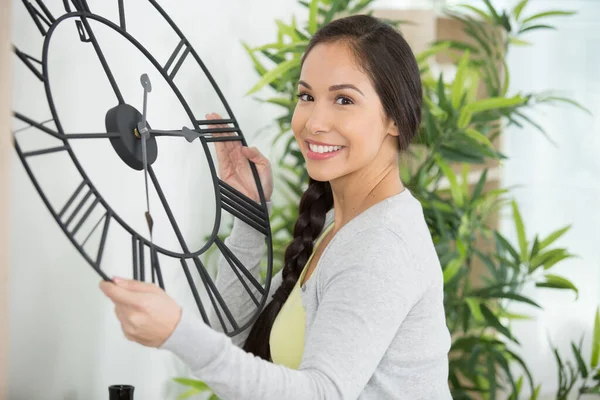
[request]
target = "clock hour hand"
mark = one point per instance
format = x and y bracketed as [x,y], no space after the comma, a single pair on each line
[185,132]
[190,135]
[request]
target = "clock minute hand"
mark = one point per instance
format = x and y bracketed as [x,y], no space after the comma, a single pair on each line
[145,134]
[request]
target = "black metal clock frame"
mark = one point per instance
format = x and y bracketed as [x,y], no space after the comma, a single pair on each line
[226,197]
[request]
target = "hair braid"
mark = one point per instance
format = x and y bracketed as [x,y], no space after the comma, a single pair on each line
[316,201]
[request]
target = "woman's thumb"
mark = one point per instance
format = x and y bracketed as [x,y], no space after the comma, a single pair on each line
[252,154]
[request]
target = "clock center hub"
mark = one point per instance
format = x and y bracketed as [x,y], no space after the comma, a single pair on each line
[123,119]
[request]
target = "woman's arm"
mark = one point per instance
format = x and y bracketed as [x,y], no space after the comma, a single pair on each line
[247,245]
[370,287]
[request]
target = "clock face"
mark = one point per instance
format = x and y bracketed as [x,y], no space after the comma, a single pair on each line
[108,89]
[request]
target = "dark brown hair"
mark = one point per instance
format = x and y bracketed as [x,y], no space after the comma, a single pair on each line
[383,54]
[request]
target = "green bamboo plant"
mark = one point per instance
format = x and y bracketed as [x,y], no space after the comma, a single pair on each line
[457,134]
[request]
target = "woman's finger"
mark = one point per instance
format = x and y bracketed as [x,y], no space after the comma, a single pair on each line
[254,155]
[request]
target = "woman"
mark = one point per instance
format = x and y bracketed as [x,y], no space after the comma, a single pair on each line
[357,310]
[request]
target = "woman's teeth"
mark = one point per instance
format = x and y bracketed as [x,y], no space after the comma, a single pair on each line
[323,149]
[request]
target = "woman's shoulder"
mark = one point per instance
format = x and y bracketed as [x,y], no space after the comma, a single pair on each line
[391,235]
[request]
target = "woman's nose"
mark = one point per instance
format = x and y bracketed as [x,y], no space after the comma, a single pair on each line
[319,121]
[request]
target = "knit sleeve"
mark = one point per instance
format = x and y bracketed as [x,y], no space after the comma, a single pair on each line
[371,285]
[247,244]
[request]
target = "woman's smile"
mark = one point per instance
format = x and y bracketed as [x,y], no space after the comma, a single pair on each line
[322,151]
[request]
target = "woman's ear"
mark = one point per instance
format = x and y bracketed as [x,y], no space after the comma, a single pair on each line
[392,128]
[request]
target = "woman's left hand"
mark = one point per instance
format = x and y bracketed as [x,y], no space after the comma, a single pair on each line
[147,314]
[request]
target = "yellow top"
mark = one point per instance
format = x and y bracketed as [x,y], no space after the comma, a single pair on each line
[287,334]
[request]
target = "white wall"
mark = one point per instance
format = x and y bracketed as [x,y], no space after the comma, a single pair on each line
[560,184]
[65,340]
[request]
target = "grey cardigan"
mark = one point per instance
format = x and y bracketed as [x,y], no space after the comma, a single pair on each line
[375,322]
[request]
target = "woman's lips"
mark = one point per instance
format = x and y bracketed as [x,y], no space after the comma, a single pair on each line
[313,155]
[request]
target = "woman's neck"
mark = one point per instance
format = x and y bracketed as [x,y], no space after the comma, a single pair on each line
[354,194]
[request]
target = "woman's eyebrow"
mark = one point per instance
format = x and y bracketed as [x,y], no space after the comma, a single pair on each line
[334,87]
[344,86]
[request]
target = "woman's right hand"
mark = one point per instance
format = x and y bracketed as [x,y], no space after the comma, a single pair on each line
[234,168]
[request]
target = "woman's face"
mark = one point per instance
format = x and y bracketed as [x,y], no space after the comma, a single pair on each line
[339,122]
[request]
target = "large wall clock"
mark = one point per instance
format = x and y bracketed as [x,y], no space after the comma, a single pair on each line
[44,140]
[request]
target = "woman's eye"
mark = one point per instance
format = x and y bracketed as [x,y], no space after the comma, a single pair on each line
[305,97]
[344,101]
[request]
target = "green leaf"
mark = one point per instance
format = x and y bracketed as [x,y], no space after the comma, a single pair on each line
[535,249]
[558,282]
[519,8]
[479,137]
[280,101]
[536,393]
[213,397]
[257,64]
[457,194]
[312,16]
[534,27]
[480,184]
[503,243]
[273,74]
[596,341]
[518,42]
[464,118]
[441,93]
[189,393]
[520,361]
[511,296]
[548,259]
[459,80]
[516,316]
[506,83]
[580,362]
[196,384]
[288,30]
[493,103]
[476,10]
[452,269]
[473,305]
[547,14]
[431,51]
[551,238]
[548,99]
[495,323]
[495,15]
[520,228]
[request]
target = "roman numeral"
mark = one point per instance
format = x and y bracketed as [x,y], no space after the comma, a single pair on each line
[180,60]
[139,266]
[156,271]
[41,16]
[30,62]
[213,294]
[243,208]
[38,125]
[107,217]
[80,5]
[45,151]
[84,36]
[237,267]
[75,216]
[138,258]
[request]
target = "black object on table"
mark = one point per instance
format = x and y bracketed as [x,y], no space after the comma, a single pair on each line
[120,392]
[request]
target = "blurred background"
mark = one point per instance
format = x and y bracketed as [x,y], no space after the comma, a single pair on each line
[65,341]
